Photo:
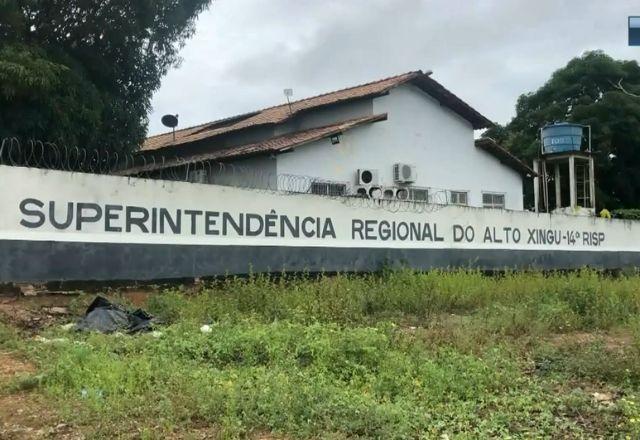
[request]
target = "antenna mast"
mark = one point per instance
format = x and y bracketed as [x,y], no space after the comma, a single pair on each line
[288,93]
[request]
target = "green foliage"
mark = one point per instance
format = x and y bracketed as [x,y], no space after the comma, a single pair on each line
[302,381]
[24,70]
[627,214]
[9,339]
[591,361]
[631,409]
[38,93]
[586,91]
[398,355]
[82,72]
[582,300]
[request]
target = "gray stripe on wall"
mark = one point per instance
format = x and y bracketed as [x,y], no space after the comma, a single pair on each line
[40,261]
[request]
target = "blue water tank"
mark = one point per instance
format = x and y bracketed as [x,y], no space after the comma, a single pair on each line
[561,137]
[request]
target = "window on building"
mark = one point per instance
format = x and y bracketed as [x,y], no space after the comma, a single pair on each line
[419,194]
[493,200]
[459,198]
[328,188]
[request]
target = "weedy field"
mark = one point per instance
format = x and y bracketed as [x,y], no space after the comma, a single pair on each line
[394,355]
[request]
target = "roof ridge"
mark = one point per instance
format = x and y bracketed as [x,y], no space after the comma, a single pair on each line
[273,144]
[413,72]
[164,133]
[203,125]
[323,127]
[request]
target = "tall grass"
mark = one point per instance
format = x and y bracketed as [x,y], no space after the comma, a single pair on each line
[558,301]
[393,355]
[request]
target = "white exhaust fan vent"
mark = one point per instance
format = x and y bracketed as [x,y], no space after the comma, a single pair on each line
[375,192]
[362,191]
[402,194]
[367,176]
[388,193]
[404,173]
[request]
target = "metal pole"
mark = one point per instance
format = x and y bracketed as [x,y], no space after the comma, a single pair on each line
[572,182]
[545,186]
[592,183]
[536,184]
[558,187]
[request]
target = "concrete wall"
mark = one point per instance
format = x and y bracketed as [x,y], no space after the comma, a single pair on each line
[253,172]
[420,132]
[116,228]
[328,115]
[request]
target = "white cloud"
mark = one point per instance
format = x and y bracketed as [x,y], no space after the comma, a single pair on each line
[488,52]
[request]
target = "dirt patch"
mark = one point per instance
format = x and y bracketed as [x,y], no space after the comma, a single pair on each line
[198,433]
[24,318]
[137,298]
[26,415]
[33,314]
[10,366]
[617,341]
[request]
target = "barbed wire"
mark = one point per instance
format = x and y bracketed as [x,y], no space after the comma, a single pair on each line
[50,156]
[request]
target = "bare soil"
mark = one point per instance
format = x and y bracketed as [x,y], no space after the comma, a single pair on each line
[615,341]
[25,415]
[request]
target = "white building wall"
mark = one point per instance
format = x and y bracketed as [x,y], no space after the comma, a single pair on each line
[327,116]
[253,172]
[418,131]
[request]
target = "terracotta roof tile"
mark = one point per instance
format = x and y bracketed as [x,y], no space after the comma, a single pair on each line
[274,115]
[277,144]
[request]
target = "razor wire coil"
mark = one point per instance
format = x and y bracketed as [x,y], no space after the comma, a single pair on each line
[50,156]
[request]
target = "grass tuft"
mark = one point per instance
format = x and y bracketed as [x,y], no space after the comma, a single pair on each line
[394,355]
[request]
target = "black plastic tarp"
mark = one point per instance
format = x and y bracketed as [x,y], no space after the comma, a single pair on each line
[106,317]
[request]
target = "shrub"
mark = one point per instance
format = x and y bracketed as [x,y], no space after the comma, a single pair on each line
[392,355]
[627,214]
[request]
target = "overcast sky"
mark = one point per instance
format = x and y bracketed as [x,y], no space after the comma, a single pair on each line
[488,52]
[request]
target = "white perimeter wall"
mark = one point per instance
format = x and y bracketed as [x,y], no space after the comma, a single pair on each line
[63,188]
[95,213]
[418,131]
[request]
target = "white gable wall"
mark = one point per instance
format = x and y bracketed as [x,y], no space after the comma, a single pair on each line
[420,132]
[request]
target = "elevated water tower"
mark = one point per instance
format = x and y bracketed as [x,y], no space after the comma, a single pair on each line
[565,160]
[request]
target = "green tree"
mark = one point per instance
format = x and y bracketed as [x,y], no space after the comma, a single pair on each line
[593,89]
[82,72]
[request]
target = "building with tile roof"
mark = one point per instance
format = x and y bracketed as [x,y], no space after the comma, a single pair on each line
[406,137]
